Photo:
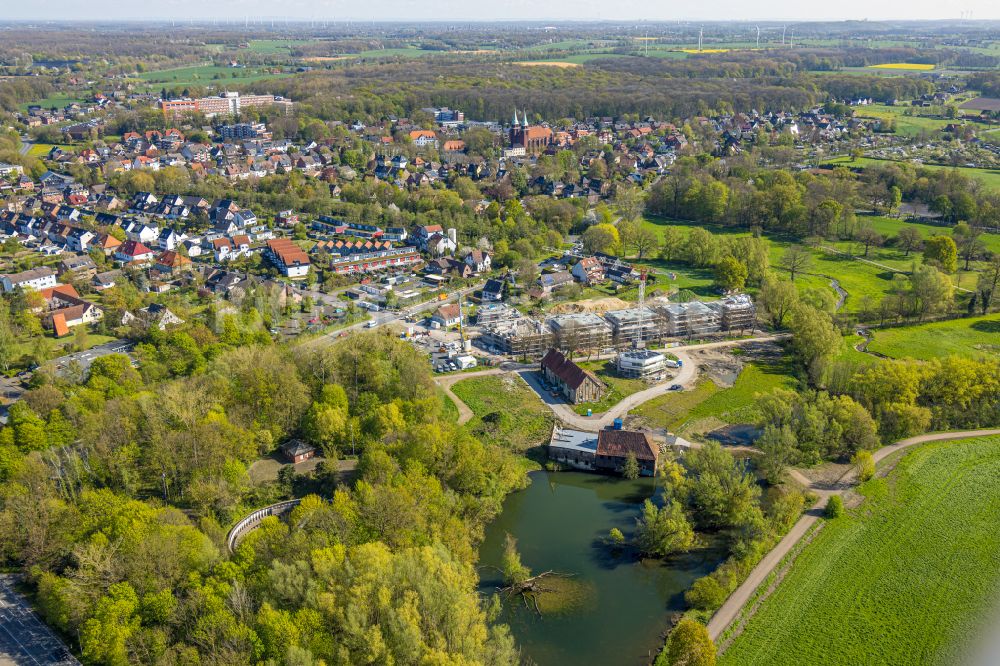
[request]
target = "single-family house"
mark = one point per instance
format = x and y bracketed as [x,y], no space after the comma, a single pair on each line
[447,315]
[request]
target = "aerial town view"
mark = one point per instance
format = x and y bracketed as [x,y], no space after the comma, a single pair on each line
[568,334]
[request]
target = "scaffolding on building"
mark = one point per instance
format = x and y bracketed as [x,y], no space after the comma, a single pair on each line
[685,320]
[490,315]
[736,313]
[635,327]
[581,331]
[522,337]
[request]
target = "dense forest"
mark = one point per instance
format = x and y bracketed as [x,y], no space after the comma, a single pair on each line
[116,493]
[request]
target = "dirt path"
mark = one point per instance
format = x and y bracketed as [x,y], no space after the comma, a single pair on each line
[464,413]
[729,611]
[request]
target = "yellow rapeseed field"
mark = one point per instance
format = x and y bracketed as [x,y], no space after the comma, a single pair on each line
[549,63]
[913,66]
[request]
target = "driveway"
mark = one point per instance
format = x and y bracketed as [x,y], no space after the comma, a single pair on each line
[728,612]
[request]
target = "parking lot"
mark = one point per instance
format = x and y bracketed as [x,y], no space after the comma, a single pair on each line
[24,639]
[83,359]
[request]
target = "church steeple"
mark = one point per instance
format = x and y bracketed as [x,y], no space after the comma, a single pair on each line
[516,123]
[526,123]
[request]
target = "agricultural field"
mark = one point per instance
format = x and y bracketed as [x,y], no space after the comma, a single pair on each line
[903,579]
[275,46]
[206,75]
[907,66]
[507,412]
[974,336]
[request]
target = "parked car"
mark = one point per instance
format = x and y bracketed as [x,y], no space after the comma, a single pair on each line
[676,387]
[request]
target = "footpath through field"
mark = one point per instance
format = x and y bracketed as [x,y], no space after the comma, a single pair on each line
[729,611]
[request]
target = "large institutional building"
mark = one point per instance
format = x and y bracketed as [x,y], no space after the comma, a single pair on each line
[226,104]
[533,138]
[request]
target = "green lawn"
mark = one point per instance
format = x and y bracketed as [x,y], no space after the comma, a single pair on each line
[42,149]
[448,409]
[906,125]
[976,337]
[671,409]
[56,99]
[619,388]
[507,411]
[906,578]
[857,278]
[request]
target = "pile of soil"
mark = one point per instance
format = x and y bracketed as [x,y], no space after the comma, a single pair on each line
[607,304]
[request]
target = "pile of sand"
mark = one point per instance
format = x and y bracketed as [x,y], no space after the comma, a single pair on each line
[592,305]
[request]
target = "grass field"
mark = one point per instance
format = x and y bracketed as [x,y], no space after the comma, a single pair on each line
[903,579]
[42,149]
[906,125]
[619,388]
[989,177]
[507,411]
[275,46]
[203,75]
[706,400]
[58,100]
[857,278]
[975,337]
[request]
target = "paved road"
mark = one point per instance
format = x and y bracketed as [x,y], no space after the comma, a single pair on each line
[687,377]
[24,639]
[731,608]
[383,318]
[25,147]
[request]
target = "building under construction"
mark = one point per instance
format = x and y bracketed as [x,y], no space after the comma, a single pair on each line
[581,331]
[736,313]
[641,364]
[633,325]
[685,320]
[522,337]
[490,315]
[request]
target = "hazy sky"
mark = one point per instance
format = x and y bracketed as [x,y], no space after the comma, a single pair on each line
[407,10]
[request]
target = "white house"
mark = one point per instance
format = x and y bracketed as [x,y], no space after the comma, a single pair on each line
[478,260]
[36,278]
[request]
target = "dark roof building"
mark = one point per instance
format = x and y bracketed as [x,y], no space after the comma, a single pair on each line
[614,446]
[575,383]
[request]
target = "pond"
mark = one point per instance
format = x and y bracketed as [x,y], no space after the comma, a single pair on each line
[617,606]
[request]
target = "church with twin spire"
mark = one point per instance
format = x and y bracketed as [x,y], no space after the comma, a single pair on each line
[533,138]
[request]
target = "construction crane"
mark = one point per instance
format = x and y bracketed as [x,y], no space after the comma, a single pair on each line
[642,312]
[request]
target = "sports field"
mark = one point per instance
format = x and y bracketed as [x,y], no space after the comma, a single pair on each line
[902,579]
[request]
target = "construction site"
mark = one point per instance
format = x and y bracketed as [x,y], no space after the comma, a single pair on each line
[505,331]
